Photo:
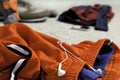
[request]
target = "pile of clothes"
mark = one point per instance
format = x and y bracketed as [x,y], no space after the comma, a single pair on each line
[86,15]
[37,56]
[97,15]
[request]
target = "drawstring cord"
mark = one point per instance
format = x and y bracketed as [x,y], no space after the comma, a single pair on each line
[66,52]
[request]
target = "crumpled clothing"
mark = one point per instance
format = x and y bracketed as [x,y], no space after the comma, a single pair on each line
[97,16]
[26,54]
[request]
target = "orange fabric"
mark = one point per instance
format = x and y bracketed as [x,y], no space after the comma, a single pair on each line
[6,5]
[47,54]
[12,4]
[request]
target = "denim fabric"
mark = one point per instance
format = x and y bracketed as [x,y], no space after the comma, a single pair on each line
[101,22]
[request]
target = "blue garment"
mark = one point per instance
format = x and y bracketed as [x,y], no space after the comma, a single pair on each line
[103,57]
[101,22]
[87,74]
[100,62]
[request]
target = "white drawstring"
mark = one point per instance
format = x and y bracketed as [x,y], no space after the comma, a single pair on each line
[67,51]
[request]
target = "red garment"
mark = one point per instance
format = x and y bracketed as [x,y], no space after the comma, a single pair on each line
[89,15]
[97,16]
[46,54]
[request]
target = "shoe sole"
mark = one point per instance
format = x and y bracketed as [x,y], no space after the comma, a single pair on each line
[34,20]
[29,20]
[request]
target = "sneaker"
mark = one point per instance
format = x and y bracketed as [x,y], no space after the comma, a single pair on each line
[29,13]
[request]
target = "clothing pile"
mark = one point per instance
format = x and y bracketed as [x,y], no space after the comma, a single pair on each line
[37,56]
[86,15]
